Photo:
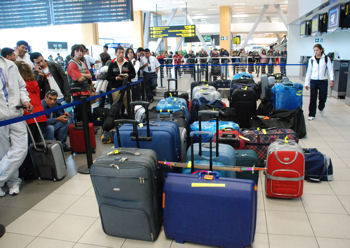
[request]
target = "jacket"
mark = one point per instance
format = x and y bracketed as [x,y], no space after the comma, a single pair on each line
[34,95]
[16,88]
[60,78]
[51,118]
[113,72]
[319,71]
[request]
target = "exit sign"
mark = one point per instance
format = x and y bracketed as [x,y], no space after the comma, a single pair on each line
[224,38]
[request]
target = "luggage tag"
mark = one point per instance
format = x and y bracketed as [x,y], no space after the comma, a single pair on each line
[286,139]
[264,131]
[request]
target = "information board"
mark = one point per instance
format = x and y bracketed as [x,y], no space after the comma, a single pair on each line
[172,31]
[31,13]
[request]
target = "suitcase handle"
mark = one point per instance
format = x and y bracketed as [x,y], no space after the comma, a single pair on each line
[209,113]
[41,136]
[169,112]
[134,123]
[200,133]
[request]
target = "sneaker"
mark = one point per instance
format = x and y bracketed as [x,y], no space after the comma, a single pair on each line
[14,189]
[2,192]
[311,118]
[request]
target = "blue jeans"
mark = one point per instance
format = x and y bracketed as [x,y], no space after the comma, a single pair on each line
[320,88]
[57,131]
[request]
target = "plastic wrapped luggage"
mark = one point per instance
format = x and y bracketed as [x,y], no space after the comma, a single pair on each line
[209,93]
[210,126]
[47,157]
[189,202]
[285,170]
[318,166]
[287,96]
[163,137]
[77,140]
[259,140]
[243,75]
[172,104]
[202,83]
[128,191]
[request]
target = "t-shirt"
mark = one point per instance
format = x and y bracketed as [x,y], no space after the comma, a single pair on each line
[26,59]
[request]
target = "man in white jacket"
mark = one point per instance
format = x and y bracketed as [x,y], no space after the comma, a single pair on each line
[13,137]
[318,72]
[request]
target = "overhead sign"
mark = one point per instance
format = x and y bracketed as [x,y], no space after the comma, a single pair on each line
[236,40]
[207,38]
[172,31]
[56,45]
[30,13]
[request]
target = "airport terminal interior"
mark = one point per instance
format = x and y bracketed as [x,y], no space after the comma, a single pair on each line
[65,213]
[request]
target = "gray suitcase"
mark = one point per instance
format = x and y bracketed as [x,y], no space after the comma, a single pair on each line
[47,157]
[128,191]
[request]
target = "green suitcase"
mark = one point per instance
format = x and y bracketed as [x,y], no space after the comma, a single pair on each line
[247,158]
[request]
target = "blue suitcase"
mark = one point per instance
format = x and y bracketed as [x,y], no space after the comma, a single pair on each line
[224,155]
[163,137]
[287,96]
[243,75]
[210,210]
[173,104]
[203,153]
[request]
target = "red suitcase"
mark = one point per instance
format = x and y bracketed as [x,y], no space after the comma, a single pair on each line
[76,138]
[285,170]
[233,138]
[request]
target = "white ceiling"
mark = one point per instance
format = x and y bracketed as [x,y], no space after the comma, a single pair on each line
[208,12]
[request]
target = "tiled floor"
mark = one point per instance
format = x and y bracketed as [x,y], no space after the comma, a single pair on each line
[67,216]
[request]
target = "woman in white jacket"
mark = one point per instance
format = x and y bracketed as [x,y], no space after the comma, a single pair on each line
[318,72]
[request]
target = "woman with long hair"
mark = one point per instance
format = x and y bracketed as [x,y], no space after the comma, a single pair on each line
[318,72]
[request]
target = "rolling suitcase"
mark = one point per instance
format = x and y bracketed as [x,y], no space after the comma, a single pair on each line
[243,100]
[172,104]
[77,140]
[202,83]
[223,155]
[287,96]
[243,75]
[260,139]
[247,158]
[209,93]
[47,157]
[163,137]
[285,170]
[128,192]
[189,202]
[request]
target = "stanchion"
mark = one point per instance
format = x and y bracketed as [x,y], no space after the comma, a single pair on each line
[161,76]
[85,169]
[207,73]
[176,68]
[194,72]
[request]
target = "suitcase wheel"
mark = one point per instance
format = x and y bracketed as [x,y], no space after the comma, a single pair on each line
[54,179]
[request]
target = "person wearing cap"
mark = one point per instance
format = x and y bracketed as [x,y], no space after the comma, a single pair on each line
[9,53]
[22,52]
[13,137]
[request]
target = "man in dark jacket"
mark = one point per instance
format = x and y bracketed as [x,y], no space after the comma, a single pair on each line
[118,70]
[50,75]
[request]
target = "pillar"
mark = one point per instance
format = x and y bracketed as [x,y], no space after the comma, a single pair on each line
[166,44]
[178,39]
[90,34]
[225,27]
[138,29]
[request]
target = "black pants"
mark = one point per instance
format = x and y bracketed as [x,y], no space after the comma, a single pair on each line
[150,80]
[317,88]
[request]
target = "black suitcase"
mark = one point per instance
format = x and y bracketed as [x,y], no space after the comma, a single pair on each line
[128,191]
[244,102]
[99,115]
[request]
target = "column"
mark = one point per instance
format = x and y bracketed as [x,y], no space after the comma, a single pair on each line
[138,29]
[90,34]
[225,27]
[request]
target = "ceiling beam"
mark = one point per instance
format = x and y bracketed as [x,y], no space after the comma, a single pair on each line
[170,19]
[282,15]
[255,26]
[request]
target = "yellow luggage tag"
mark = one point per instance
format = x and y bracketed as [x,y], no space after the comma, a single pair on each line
[189,164]
[207,85]
[202,90]
[141,125]
[246,88]
[170,94]
[115,152]
[286,139]
[264,131]
[174,99]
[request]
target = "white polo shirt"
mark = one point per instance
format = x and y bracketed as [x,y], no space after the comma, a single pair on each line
[153,61]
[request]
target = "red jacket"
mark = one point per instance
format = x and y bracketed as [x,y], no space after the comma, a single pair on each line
[34,95]
[177,59]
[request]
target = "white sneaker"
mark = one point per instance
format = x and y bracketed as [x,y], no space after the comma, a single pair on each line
[14,189]
[311,118]
[2,192]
